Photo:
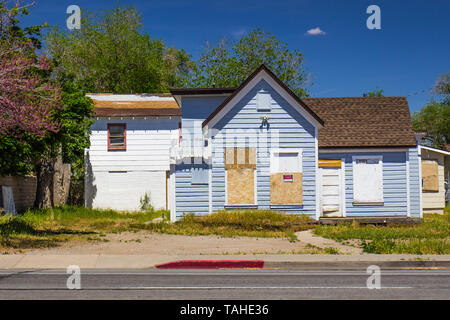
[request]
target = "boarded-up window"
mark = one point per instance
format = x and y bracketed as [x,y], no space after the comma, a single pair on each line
[240,164]
[430,175]
[286,185]
[241,186]
[236,158]
[367,179]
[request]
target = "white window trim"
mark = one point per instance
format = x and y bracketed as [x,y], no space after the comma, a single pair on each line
[368,157]
[299,152]
[344,189]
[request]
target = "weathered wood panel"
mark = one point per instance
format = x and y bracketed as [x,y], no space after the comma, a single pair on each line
[430,175]
[282,192]
[236,158]
[241,186]
[433,196]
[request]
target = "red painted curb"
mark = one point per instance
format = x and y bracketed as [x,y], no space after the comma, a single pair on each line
[211,264]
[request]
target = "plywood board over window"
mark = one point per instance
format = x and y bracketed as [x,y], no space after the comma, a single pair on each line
[286,191]
[238,158]
[241,188]
[430,175]
[240,165]
[286,177]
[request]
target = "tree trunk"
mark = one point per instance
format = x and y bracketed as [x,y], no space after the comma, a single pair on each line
[44,189]
[53,183]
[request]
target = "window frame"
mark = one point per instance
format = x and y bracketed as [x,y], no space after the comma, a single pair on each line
[259,100]
[113,148]
[275,167]
[380,163]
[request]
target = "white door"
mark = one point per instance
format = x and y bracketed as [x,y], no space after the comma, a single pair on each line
[331,191]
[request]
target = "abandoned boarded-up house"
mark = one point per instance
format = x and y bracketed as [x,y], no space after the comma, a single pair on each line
[435,174]
[258,146]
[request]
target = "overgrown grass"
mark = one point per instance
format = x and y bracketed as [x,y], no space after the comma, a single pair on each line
[249,223]
[49,227]
[432,236]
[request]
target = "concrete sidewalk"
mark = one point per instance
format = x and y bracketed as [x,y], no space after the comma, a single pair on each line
[275,261]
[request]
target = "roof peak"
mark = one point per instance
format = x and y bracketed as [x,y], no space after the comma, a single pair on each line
[263,68]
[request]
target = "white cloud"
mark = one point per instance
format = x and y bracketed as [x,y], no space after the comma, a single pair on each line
[239,33]
[315,32]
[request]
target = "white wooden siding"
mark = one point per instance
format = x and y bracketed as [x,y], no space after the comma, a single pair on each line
[123,190]
[118,179]
[148,143]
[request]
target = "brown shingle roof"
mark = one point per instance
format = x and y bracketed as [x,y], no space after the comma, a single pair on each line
[363,122]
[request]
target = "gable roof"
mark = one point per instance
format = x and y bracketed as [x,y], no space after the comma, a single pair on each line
[364,122]
[122,105]
[246,82]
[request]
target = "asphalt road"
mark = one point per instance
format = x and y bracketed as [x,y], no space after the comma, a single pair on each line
[225,284]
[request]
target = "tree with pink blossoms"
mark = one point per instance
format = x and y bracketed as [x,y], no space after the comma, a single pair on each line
[26,101]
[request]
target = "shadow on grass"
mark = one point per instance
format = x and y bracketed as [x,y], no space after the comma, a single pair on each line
[18,233]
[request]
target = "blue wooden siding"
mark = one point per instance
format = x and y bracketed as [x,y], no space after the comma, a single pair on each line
[294,132]
[189,197]
[394,184]
[194,111]
[414,181]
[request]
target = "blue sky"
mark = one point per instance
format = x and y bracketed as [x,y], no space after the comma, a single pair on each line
[404,58]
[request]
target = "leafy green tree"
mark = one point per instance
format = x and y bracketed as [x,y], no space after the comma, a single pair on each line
[442,87]
[374,93]
[10,14]
[434,118]
[110,53]
[229,63]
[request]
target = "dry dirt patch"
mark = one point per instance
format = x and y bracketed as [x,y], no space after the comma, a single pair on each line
[157,243]
[308,236]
